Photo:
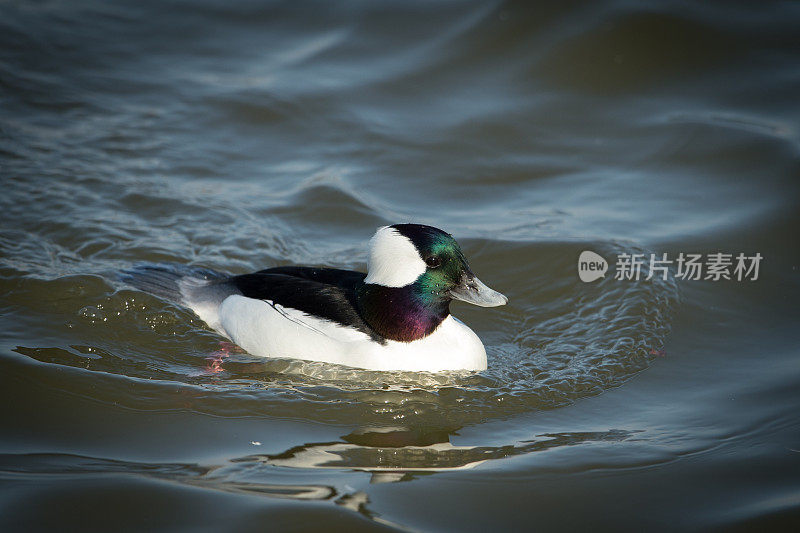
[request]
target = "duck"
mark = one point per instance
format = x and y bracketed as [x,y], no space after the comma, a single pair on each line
[394,317]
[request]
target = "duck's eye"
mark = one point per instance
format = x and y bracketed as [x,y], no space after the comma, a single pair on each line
[433,262]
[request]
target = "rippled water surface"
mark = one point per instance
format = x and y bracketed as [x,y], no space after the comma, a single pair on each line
[263,134]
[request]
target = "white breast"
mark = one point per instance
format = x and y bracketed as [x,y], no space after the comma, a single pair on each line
[452,346]
[269,330]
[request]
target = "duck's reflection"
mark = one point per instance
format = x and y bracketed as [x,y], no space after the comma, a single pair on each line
[388,454]
[393,454]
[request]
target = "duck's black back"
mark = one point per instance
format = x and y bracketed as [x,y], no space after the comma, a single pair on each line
[327,293]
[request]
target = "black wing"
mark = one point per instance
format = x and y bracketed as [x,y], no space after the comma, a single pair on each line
[328,293]
[346,279]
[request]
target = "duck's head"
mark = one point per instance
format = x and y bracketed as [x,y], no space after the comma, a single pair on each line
[429,263]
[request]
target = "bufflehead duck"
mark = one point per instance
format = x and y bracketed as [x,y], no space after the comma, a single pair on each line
[394,317]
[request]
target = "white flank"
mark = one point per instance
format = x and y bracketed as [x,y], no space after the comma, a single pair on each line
[393,259]
[269,330]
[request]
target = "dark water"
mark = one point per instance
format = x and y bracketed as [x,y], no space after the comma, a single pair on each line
[265,134]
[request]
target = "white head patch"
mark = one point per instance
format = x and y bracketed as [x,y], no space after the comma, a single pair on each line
[393,259]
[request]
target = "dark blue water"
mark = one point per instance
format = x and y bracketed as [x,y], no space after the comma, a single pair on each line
[239,137]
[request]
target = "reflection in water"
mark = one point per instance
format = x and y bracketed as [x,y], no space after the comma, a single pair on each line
[396,454]
[389,454]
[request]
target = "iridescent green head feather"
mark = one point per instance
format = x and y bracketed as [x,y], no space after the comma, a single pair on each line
[445,264]
[414,272]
